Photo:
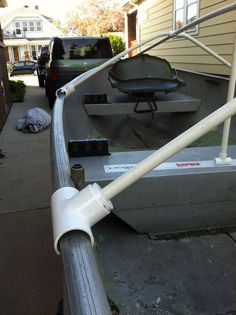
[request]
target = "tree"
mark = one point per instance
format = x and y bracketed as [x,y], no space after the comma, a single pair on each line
[117,43]
[59,26]
[94,17]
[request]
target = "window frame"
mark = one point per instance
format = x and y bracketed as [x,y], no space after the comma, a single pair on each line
[24,26]
[35,26]
[17,26]
[38,25]
[194,31]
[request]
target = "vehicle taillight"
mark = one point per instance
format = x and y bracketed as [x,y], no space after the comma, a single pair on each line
[54,75]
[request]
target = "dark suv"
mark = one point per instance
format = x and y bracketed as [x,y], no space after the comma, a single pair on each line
[71,56]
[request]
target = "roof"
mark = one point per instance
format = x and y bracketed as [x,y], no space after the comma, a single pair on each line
[7,17]
[126,5]
[25,41]
[16,42]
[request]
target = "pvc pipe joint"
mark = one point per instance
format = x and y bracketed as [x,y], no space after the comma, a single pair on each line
[65,90]
[77,210]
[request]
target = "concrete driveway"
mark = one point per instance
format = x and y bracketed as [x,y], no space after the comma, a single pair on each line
[29,80]
[26,169]
[30,272]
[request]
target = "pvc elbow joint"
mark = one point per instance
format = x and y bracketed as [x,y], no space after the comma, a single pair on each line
[65,91]
[77,210]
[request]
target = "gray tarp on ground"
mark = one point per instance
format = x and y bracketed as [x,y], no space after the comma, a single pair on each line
[35,120]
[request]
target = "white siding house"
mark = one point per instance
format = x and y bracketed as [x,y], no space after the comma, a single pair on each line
[25,31]
[144,18]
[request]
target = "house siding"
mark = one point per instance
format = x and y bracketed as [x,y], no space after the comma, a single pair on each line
[218,34]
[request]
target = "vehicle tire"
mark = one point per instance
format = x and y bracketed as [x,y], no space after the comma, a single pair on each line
[46,88]
[51,99]
[41,80]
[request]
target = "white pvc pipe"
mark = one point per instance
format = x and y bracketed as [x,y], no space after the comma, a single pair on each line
[207,49]
[230,96]
[170,149]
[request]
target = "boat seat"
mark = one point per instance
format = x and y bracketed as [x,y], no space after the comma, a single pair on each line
[143,75]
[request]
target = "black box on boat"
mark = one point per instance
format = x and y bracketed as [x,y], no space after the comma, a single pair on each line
[88,147]
[95,99]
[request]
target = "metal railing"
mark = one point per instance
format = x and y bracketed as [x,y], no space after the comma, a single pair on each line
[85,294]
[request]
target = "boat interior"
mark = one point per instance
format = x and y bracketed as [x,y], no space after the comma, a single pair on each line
[169,245]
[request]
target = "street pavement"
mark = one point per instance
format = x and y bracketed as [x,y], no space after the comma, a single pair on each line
[30,272]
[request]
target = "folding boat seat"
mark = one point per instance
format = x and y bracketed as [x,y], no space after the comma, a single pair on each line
[142,76]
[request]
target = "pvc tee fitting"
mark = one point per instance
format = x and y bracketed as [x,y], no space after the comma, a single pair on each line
[77,210]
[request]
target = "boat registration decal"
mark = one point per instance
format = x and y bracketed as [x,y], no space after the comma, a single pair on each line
[122,168]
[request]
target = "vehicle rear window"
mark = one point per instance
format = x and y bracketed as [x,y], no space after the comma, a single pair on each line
[83,48]
[29,63]
[19,64]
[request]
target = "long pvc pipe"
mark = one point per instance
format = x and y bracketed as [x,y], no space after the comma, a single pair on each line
[170,149]
[231,89]
[207,49]
[230,96]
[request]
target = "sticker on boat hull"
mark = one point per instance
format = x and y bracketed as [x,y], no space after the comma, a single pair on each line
[122,168]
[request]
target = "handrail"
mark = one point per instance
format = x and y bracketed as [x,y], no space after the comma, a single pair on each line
[62,178]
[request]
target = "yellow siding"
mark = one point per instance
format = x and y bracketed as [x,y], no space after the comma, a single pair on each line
[218,34]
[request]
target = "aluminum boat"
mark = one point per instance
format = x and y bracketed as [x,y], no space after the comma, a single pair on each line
[144,181]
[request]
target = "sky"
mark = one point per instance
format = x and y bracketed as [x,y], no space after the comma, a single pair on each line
[56,9]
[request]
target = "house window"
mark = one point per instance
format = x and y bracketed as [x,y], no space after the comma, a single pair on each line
[33,51]
[185,11]
[31,26]
[18,28]
[38,26]
[25,26]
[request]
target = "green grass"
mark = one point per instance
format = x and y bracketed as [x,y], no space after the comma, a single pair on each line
[17,90]
[212,138]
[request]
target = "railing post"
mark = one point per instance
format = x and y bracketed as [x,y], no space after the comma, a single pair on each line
[223,159]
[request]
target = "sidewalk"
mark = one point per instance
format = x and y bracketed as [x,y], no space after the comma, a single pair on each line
[26,169]
[30,272]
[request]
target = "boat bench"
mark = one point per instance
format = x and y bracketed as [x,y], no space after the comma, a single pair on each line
[166,103]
